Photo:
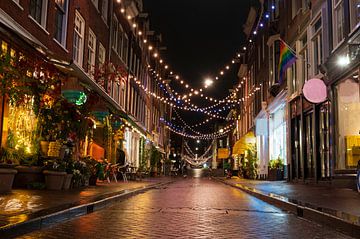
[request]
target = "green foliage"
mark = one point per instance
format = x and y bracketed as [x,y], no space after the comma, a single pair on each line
[276,163]
[248,167]
[154,157]
[11,156]
[55,165]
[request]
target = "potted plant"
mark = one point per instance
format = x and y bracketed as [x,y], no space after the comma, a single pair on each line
[8,160]
[54,174]
[154,160]
[276,169]
[29,172]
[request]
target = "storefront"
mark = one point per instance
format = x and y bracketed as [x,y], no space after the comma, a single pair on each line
[347,94]
[271,134]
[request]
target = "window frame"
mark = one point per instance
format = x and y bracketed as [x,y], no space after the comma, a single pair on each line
[81,35]
[43,13]
[91,52]
[65,11]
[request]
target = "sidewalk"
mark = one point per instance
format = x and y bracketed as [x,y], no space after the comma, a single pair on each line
[323,204]
[24,208]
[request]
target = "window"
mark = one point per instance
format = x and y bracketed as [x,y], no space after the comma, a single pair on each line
[91,52]
[78,45]
[60,20]
[274,53]
[96,3]
[338,21]
[303,61]
[104,9]
[316,41]
[275,4]
[120,37]
[295,7]
[125,48]
[354,14]
[38,10]
[102,54]
[114,34]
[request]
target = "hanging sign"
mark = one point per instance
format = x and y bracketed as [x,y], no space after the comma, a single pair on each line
[315,91]
[223,153]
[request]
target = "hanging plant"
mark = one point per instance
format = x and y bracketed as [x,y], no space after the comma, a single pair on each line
[108,73]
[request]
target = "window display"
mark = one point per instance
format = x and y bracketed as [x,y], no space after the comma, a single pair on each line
[348,124]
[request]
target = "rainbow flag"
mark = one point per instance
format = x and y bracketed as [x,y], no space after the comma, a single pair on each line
[287,58]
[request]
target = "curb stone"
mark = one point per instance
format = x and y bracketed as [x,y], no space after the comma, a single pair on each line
[41,222]
[348,224]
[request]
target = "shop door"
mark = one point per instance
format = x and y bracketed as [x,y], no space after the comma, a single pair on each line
[324,140]
[295,149]
[308,147]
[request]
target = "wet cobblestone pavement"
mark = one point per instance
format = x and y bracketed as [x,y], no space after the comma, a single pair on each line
[189,208]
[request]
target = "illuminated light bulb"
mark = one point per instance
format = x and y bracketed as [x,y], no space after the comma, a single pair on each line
[156,55]
[261,24]
[233,62]
[221,73]
[140,33]
[128,17]
[145,41]
[122,10]
[255,32]
[238,55]
[118,1]
[244,48]
[216,78]
[190,94]
[177,77]
[161,61]
[166,67]
[196,92]
[227,67]
[134,25]
[202,95]
[186,86]
[250,40]
[150,48]
[192,90]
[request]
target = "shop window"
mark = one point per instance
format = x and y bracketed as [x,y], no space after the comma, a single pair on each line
[348,124]
[20,128]
[78,44]
[354,14]
[338,22]
[60,20]
[38,11]
[91,52]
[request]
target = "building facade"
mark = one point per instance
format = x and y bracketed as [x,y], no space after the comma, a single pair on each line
[101,48]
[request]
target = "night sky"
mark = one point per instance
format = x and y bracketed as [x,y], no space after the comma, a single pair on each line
[201,36]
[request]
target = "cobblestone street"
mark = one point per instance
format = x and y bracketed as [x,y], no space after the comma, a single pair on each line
[189,208]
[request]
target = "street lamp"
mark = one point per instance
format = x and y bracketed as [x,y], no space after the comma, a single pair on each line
[343,61]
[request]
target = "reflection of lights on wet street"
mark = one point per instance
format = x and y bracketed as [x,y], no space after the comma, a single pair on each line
[197,172]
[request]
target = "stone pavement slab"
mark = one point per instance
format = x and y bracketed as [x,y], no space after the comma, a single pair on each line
[328,205]
[19,206]
[189,208]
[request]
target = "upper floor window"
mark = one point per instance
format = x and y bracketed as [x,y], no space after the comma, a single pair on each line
[104,9]
[317,45]
[78,45]
[354,14]
[296,6]
[102,54]
[96,3]
[274,54]
[38,11]
[303,61]
[91,52]
[114,34]
[338,21]
[61,20]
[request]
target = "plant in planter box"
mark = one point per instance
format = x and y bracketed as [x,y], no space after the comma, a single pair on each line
[54,174]
[276,169]
[81,173]
[154,160]
[29,172]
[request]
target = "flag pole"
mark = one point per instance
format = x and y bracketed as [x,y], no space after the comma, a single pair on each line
[293,51]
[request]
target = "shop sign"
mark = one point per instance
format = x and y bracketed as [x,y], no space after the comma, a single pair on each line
[315,91]
[223,153]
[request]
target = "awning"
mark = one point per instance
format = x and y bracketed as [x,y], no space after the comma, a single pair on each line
[242,144]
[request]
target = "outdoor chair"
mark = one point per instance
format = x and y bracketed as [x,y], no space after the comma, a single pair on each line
[123,169]
[112,170]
